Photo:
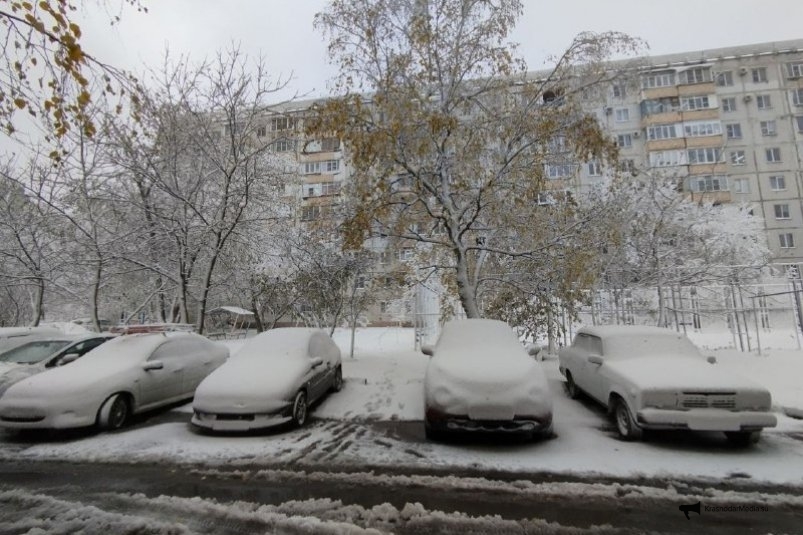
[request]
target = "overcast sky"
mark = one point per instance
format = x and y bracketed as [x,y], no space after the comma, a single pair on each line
[282,30]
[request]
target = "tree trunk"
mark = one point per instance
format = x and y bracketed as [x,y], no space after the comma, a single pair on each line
[257,315]
[38,302]
[95,296]
[466,290]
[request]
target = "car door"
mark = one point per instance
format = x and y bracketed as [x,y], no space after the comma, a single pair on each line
[201,361]
[321,375]
[166,383]
[597,383]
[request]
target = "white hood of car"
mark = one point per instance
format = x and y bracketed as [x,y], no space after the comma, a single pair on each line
[251,383]
[672,372]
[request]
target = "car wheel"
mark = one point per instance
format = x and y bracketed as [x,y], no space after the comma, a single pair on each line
[743,438]
[571,387]
[114,413]
[300,409]
[625,425]
[337,384]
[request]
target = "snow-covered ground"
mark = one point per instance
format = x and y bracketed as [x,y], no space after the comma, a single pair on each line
[384,388]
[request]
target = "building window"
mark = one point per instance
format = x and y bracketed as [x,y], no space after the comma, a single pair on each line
[262,131]
[281,123]
[555,171]
[768,128]
[405,253]
[667,158]
[733,131]
[694,103]
[627,166]
[622,115]
[384,257]
[759,74]
[708,183]
[284,145]
[663,131]
[619,91]
[697,75]
[330,144]
[699,129]
[794,70]
[741,185]
[703,155]
[729,104]
[331,166]
[359,282]
[799,122]
[662,79]
[594,168]
[773,155]
[330,188]
[797,97]
[737,157]
[624,140]
[312,168]
[787,240]
[781,211]
[778,183]
[724,79]
[310,213]
[763,102]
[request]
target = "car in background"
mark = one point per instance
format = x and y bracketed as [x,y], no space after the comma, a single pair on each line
[654,378]
[481,378]
[36,356]
[127,375]
[11,337]
[272,380]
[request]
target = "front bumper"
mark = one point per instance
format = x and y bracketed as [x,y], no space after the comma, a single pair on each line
[464,424]
[18,416]
[238,422]
[705,419]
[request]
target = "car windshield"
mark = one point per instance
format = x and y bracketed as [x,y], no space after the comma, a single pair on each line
[33,352]
[645,345]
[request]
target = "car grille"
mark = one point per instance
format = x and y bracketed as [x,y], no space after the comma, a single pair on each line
[705,400]
[234,417]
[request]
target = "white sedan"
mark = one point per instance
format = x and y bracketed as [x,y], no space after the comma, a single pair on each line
[653,378]
[124,376]
[480,378]
[272,380]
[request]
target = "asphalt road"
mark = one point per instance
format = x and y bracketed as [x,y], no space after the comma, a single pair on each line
[156,494]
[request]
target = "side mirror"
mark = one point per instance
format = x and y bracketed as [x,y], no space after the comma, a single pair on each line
[317,361]
[427,349]
[533,350]
[711,359]
[596,359]
[69,357]
[153,365]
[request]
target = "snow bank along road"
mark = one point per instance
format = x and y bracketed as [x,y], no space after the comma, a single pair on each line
[50,498]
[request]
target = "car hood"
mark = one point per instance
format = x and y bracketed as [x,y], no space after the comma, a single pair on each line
[15,374]
[79,376]
[244,382]
[671,372]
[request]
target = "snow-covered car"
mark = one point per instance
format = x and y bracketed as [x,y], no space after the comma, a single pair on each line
[480,378]
[654,378]
[271,380]
[11,337]
[36,356]
[124,376]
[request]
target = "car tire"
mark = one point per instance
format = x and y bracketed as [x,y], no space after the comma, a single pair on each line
[114,413]
[337,383]
[625,424]
[300,409]
[571,387]
[431,433]
[743,439]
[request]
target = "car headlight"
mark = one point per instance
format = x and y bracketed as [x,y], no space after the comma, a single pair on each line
[659,400]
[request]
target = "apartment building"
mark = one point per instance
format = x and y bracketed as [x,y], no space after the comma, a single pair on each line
[727,122]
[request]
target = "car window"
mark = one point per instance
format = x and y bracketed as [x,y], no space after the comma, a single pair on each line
[594,345]
[33,352]
[85,346]
[322,346]
[167,351]
[581,342]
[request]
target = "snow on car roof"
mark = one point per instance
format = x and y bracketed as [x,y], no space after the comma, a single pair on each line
[286,341]
[605,331]
[477,333]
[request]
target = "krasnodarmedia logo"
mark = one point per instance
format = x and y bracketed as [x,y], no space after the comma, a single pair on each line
[686,509]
